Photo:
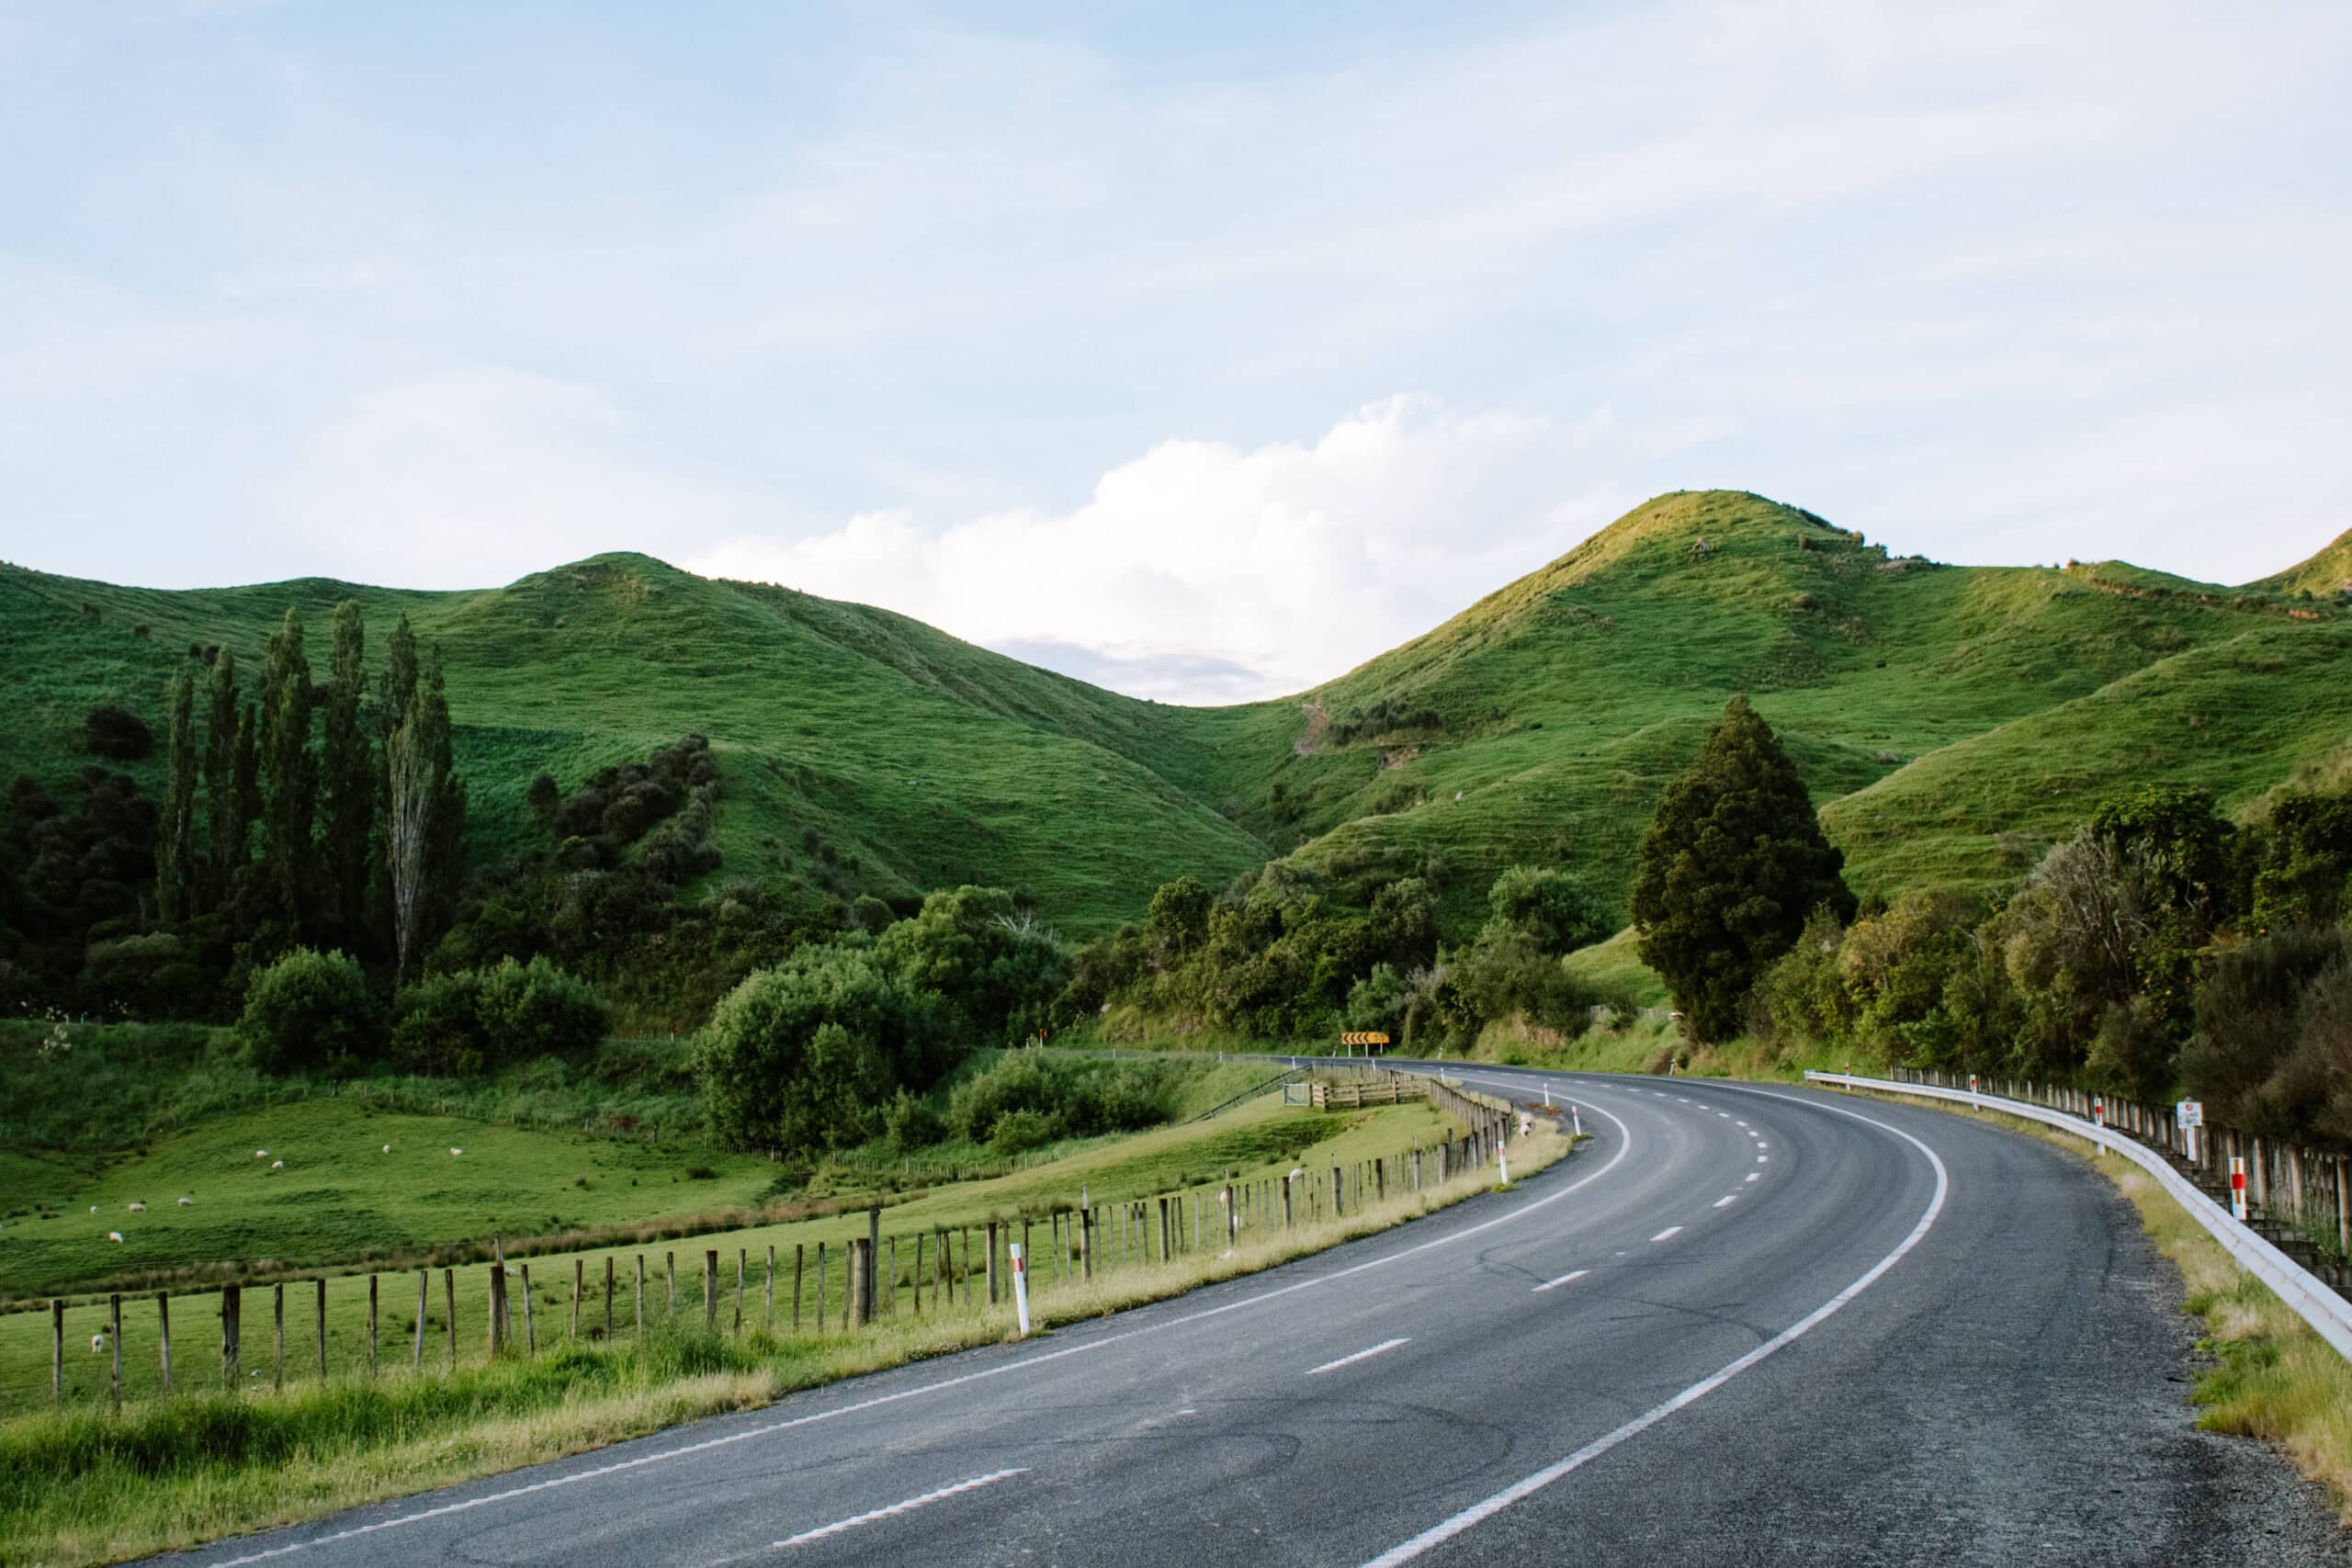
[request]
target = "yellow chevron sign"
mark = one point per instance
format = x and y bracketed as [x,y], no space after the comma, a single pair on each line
[1363,1039]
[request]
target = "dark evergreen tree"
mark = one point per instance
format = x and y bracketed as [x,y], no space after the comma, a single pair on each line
[175,835]
[225,850]
[347,771]
[289,782]
[1731,866]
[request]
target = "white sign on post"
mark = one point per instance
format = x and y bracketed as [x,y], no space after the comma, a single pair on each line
[2190,1112]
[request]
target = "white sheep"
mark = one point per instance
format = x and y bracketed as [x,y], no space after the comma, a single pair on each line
[93,1208]
[388,1148]
[97,1344]
[138,1208]
[278,1164]
[455,1151]
[261,1154]
[185,1201]
[114,1235]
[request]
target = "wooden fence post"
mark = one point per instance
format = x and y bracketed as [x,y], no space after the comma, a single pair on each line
[371,1326]
[641,1296]
[114,1310]
[57,1348]
[530,1322]
[579,1285]
[991,1263]
[891,1272]
[608,1298]
[800,1252]
[820,1287]
[670,1272]
[767,1307]
[917,1281]
[743,1266]
[423,1295]
[450,1306]
[322,1327]
[163,1334]
[710,1288]
[1086,1241]
[855,1273]
[278,1362]
[233,1335]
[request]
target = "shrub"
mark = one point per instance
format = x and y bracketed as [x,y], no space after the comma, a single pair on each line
[459,1024]
[910,1123]
[117,732]
[798,1057]
[308,1010]
[1018,1132]
[1551,907]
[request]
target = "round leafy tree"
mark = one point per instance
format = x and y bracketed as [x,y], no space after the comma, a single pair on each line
[1731,865]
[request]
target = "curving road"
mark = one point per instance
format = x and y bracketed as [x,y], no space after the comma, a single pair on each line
[1744,1325]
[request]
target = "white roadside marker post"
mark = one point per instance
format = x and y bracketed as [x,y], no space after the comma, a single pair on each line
[2098,1112]
[1547,1097]
[1971,1093]
[1575,1121]
[1502,1163]
[2237,1187]
[1020,1287]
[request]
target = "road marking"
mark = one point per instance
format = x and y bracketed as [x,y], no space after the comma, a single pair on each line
[821,1532]
[1726,1200]
[1669,1231]
[1763,1159]
[1359,1356]
[1754,1176]
[1553,1284]
[767,1430]
[1478,1513]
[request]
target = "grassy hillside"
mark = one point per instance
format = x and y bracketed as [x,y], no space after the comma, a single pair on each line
[857,745]
[1943,715]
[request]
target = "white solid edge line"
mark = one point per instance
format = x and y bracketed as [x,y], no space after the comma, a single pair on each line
[1669,1231]
[1625,1147]
[908,1506]
[1359,1355]
[1554,1284]
[1479,1512]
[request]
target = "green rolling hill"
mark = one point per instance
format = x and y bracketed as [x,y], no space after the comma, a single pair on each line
[1949,718]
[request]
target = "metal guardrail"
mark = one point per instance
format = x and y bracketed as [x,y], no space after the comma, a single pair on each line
[2329,1314]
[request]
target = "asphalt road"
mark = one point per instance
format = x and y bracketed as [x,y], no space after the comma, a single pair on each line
[1743,1326]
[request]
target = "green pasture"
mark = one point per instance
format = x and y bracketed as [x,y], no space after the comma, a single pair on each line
[1254,1144]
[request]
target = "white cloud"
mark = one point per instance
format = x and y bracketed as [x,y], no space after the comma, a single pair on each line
[1199,572]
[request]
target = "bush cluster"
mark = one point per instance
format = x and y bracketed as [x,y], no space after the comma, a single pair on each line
[473,1020]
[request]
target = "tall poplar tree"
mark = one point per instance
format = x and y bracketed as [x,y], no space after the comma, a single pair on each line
[290,792]
[247,793]
[176,834]
[225,832]
[423,819]
[1731,865]
[348,768]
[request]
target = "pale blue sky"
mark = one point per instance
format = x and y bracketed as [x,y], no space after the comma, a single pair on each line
[1204,355]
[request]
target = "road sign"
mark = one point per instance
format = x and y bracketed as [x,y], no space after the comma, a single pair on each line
[2189,1114]
[1360,1037]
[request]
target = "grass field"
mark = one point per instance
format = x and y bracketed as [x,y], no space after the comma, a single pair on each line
[348,1215]
[1944,716]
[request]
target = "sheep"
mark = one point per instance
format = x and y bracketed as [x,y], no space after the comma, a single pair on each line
[114,1235]
[97,1344]
[278,1164]
[388,1148]
[261,1154]
[457,1151]
[185,1201]
[138,1208]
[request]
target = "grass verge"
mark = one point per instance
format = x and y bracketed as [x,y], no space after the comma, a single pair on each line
[2273,1377]
[90,1487]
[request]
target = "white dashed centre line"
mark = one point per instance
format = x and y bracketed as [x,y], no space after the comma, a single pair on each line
[1670,1230]
[1726,1200]
[821,1532]
[1754,1176]
[1359,1356]
[1554,1284]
